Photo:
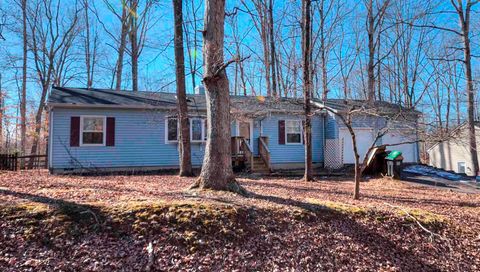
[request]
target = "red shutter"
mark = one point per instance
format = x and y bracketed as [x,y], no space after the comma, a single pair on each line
[74,131]
[281,132]
[110,131]
[303,131]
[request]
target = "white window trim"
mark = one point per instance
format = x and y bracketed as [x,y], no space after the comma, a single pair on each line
[237,127]
[104,129]
[301,132]
[166,130]
[203,130]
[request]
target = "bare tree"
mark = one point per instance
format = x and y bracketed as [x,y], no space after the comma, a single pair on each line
[347,56]
[191,27]
[90,44]
[271,36]
[120,39]
[463,13]
[239,66]
[140,23]
[388,120]
[217,170]
[307,84]
[23,96]
[52,36]
[261,22]
[327,16]
[184,135]
[375,16]
[464,19]
[2,111]
[3,22]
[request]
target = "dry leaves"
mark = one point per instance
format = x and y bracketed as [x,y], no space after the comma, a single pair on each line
[133,222]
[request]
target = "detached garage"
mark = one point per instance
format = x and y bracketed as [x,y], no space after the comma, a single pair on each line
[453,154]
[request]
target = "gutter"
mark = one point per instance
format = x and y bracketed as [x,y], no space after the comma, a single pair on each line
[50,106]
[77,106]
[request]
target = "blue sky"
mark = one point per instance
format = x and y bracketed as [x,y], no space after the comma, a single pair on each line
[157,60]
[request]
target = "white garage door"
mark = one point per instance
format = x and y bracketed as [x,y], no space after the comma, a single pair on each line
[408,150]
[364,138]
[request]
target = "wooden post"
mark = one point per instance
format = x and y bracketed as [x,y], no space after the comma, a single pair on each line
[15,163]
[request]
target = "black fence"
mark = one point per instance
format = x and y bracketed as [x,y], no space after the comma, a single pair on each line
[8,162]
[13,162]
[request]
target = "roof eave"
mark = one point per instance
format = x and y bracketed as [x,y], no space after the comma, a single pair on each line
[76,106]
[320,105]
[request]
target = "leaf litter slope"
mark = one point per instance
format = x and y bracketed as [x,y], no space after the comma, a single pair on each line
[107,223]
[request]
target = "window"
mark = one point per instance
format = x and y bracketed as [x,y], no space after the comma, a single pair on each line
[172,130]
[293,131]
[461,167]
[92,130]
[196,130]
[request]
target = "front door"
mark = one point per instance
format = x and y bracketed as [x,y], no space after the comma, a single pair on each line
[244,130]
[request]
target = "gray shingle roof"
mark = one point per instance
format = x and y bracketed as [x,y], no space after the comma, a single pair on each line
[380,107]
[111,98]
[253,105]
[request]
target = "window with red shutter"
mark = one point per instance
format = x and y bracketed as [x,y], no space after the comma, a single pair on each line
[75,131]
[110,141]
[281,132]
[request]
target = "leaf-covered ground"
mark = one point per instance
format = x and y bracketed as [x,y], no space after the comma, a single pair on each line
[151,222]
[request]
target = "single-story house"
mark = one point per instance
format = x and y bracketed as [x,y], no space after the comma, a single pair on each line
[123,130]
[453,152]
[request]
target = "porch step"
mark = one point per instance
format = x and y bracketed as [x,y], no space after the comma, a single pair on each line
[259,166]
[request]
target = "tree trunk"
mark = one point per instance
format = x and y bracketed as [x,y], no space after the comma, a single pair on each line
[23,102]
[272,48]
[217,170]
[358,171]
[323,57]
[371,54]
[87,46]
[184,141]
[307,82]
[134,43]
[1,112]
[358,178]
[121,48]
[38,122]
[465,23]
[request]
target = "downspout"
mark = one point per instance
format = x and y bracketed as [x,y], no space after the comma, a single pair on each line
[324,136]
[417,149]
[50,142]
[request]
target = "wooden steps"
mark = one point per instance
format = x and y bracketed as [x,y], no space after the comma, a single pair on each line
[259,166]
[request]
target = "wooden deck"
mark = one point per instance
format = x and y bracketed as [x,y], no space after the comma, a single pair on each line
[243,156]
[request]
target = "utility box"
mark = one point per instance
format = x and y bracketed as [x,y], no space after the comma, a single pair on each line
[394,164]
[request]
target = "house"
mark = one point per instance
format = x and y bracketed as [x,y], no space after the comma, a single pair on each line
[453,153]
[109,130]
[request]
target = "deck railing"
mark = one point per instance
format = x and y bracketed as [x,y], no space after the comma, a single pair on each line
[241,150]
[247,152]
[264,151]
